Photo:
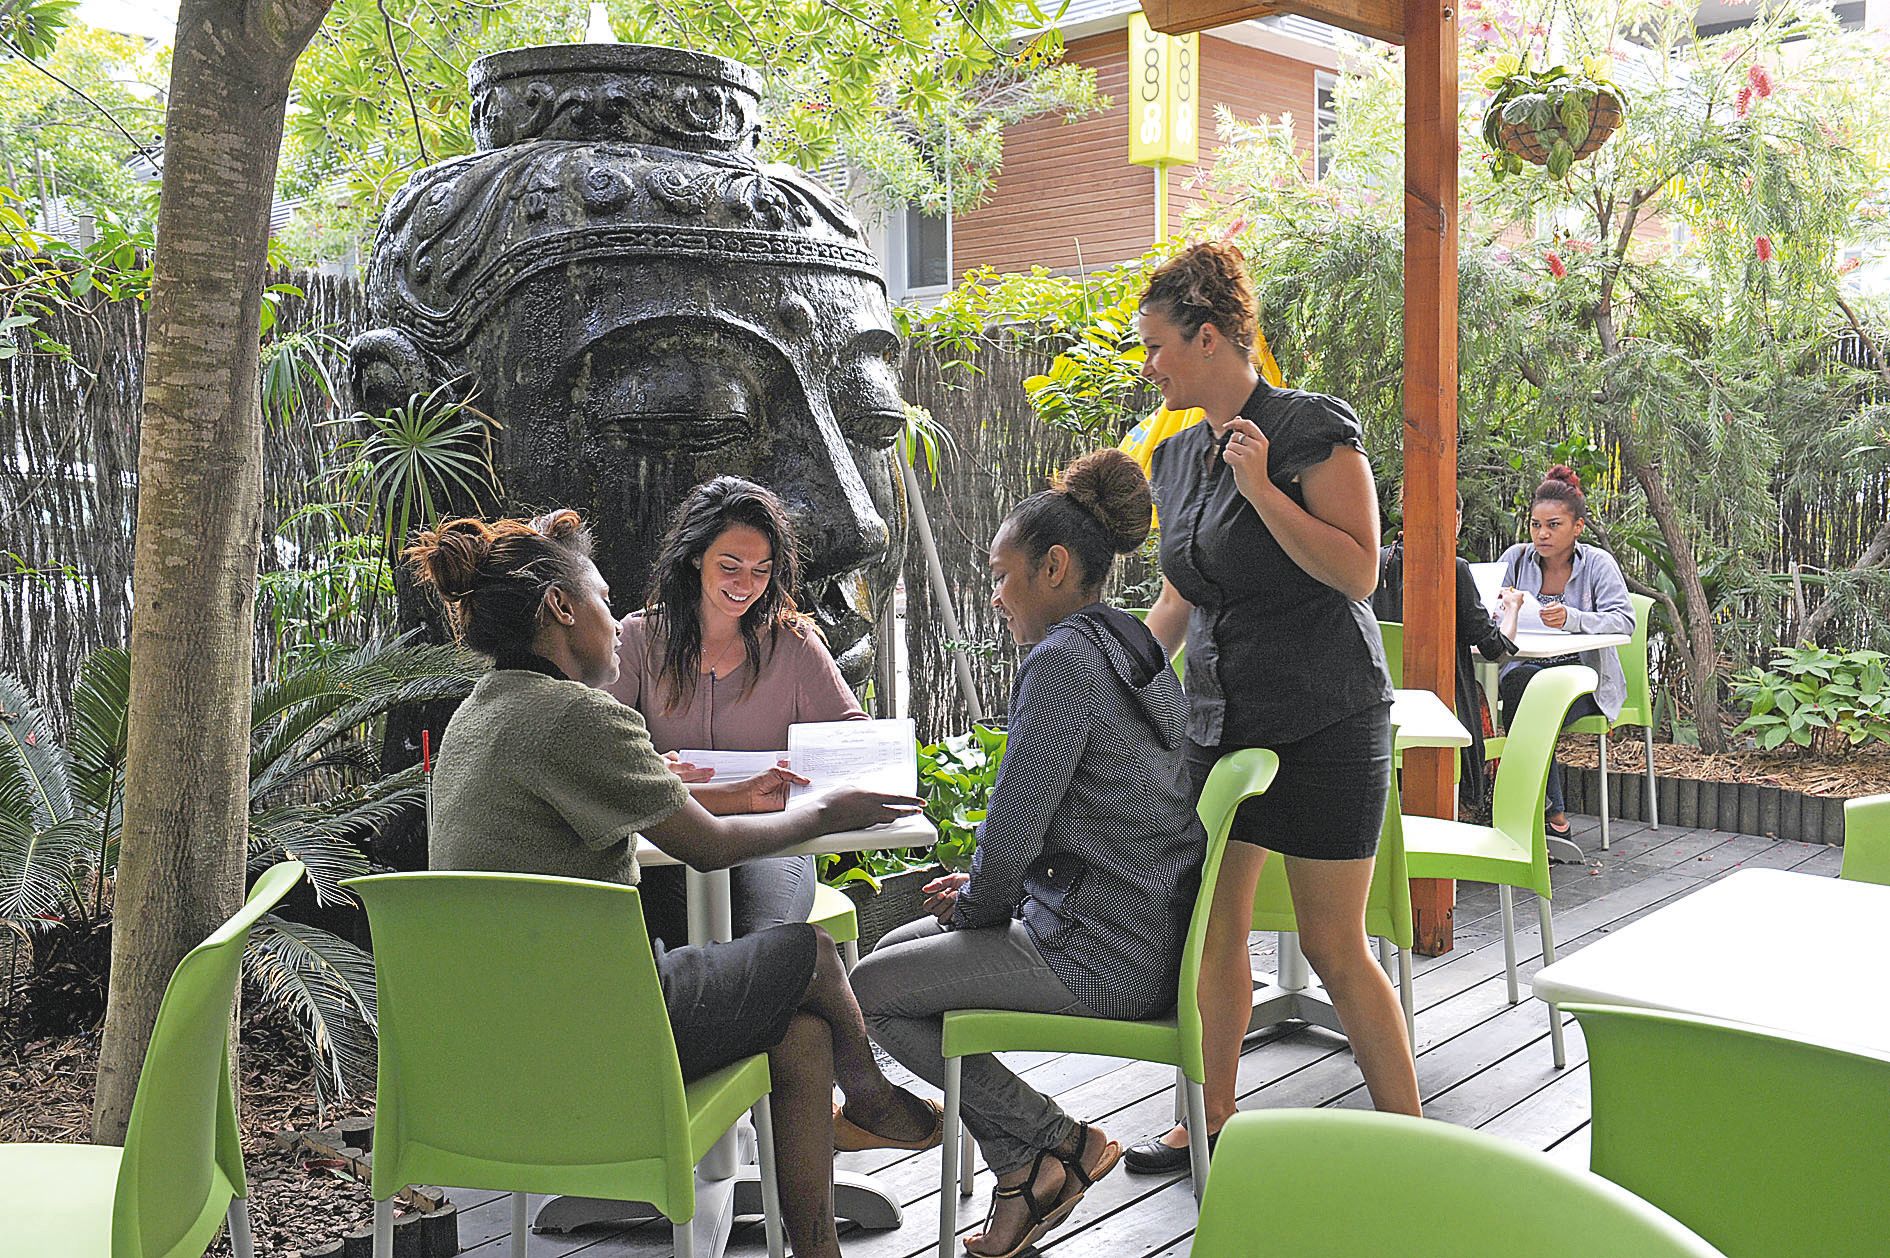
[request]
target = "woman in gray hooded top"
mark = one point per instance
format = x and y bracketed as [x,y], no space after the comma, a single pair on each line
[1088,860]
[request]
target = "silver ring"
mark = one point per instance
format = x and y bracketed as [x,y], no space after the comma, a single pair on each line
[1240,438]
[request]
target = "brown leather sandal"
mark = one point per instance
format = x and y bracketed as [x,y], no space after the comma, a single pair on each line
[850,1137]
[1078,1180]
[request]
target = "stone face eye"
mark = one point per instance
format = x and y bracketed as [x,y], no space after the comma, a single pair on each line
[864,391]
[672,404]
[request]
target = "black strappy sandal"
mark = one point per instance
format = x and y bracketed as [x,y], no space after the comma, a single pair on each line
[1076,1179]
[1040,1220]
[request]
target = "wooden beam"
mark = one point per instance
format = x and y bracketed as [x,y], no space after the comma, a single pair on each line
[1430,417]
[1375,19]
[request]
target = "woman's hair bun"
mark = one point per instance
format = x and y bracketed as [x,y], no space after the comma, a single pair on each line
[560,525]
[1566,474]
[451,556]
[1110,486]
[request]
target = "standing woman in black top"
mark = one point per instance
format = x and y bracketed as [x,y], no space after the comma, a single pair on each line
[1269,549]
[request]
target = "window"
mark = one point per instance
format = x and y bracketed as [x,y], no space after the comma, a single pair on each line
[927,236]
[1325,122]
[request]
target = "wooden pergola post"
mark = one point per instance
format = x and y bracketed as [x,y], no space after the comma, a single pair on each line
[1428,31]
[1430,418]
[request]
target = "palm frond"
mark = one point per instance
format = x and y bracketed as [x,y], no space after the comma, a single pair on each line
[33,770]
[326,985]
[326,836]
[101,718]
[39,870]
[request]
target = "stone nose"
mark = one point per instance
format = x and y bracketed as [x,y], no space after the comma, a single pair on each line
[843,532]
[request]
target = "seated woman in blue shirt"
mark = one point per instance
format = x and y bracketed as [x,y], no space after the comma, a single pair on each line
[1582,591]
[1088,860]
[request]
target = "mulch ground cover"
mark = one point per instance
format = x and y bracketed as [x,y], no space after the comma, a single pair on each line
[1858,771]
[298,1202]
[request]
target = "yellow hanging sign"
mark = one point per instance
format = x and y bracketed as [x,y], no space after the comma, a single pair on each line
[1164,96]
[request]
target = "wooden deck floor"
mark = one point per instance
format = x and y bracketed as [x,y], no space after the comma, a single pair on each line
[1481,1063]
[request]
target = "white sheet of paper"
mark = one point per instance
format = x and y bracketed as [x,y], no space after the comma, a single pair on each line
[1489,579]
[1529,619]
[733,766]
[871,755]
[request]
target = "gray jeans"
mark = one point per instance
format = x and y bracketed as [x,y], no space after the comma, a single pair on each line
[922,971]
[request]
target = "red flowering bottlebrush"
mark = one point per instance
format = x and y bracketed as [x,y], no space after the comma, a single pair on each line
[1763,247]
[1555,264]
[1743,102]
[1759,79]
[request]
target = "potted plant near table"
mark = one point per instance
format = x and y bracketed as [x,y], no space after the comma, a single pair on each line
[1553,117]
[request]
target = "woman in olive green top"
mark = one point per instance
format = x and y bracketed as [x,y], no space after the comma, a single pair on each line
[542,772]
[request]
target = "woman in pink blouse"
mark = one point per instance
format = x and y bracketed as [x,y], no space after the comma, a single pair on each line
[721,659]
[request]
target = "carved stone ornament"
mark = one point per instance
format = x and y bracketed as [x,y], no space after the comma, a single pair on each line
[641,304]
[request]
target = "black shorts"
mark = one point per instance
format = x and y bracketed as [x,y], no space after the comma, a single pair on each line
[1328,800]
[732,1000]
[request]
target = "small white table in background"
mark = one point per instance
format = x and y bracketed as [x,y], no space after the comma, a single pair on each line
[1786,951]
[1422,720]
[727,1181]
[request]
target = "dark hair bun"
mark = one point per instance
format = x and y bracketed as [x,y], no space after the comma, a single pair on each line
[1205,283]
[1110,486]
[1566,474]
[560,525]
[451,556]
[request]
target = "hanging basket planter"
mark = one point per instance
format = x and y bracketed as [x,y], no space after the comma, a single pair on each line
[1551,118]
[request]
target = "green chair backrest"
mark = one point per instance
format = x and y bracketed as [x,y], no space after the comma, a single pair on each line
[1638,707]
[524,1044]
[1522,780]
[1760,1142]
[1387,902]
[1393,633]
[182,1162]
[1237,776]
[1867,839]
[1332,1183]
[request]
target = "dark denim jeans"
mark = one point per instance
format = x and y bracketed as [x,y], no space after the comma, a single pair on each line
[1509,693]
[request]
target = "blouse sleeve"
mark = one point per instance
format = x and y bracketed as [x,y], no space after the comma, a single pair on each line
[602,774]
[1613,611]
[1049,731]
[820,692]
[628,688]
[1318,424]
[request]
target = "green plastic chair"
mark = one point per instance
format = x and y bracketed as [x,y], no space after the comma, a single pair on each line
[834,913]
[1174,1040]
[1637,709]
[1334,1183]
[1387,903]
[1514,850]
[180,1172]
[1763,1143]
[1392,631]
[1867,839]
[525,1048]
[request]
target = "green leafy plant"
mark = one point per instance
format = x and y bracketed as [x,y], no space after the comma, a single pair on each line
[1096,381]
[955,780]
[1817,700]
[314,791]
[417,458]
[1557,103]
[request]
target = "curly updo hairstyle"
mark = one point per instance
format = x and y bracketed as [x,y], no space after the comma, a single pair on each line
[675,595]
[1205,283]
[1096,508]
[493,577]
[1561,484]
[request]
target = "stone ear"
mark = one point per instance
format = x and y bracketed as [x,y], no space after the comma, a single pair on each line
[386,369]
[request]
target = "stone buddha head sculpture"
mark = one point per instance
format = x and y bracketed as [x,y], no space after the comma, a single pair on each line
[640,304]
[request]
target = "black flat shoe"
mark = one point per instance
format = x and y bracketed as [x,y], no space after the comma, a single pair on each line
[1152,1157]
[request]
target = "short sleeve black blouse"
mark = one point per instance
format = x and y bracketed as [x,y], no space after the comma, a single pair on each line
[1274,654]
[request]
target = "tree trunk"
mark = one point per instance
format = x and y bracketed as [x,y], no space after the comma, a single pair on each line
[1703,646]
[180,872]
